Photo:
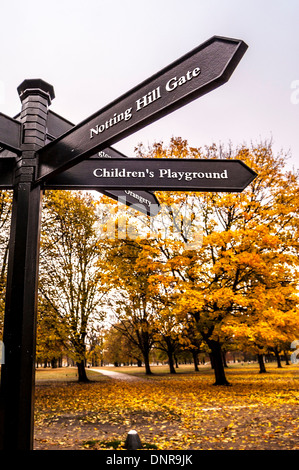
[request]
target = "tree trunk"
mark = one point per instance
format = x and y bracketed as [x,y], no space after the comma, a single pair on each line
[219,371]
[224,359]
[171,362]
[82,377]
[169,352]
[195,360]
[261,364]
[146,363]
[54,363]
[277,358]
[144,345]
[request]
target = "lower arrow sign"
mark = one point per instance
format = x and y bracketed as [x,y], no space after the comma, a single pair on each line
[142,201]
[156,174]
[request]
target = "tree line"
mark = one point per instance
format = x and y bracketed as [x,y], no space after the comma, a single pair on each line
[212,272]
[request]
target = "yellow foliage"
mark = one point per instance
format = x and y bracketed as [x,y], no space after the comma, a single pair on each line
[182,412]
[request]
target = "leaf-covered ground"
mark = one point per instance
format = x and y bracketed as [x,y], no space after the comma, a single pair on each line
[170,412]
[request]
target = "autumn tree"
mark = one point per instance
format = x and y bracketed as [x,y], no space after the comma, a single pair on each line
[191,340]
[143,307]
[248,241]
[70,277]
[95,340]
[52,334]
[131,263]
[118,348]
[271,325]
[166,335]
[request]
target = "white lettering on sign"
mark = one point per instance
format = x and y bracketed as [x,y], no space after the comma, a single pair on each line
[161,173]
[121,173]
[145,101]
[103,154]
[190,175]
[148,99]
[141,199]
[174,82]
[124,116]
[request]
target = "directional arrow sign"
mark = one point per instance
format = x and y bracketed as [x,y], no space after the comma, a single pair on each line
[143,201]
[10,133]
[160,174]
[198,72]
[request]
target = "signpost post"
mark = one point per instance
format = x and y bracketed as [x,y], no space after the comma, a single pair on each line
[41,150]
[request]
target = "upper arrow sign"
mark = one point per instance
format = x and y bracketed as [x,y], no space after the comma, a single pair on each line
[198,72]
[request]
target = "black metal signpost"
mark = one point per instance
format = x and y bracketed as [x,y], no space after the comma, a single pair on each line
[40,150]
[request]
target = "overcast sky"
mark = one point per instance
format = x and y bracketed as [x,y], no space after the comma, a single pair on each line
[94,51]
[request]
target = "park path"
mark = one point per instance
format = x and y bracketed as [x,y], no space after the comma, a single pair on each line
[118,375]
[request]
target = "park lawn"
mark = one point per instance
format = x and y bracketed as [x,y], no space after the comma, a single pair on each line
[180,411]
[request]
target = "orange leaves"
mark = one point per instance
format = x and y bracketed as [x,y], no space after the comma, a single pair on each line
[181,412]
